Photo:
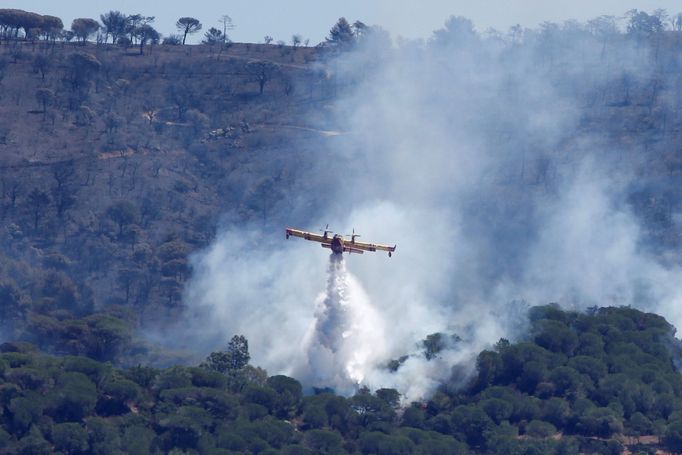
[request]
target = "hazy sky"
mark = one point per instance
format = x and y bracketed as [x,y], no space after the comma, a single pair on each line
[313,18]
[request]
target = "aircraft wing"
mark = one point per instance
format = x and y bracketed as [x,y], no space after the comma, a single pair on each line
[308,235]
[370,246]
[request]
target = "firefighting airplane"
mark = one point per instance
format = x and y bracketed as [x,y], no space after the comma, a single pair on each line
[338,244]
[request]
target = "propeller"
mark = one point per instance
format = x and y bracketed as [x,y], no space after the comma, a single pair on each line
[353,235]
[326,230]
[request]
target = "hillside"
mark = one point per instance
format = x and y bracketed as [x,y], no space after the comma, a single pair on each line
[116,166]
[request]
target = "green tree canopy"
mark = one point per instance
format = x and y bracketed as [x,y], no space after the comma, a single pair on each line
[187,25]
[84,28]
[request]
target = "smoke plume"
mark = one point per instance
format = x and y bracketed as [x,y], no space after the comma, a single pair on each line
[489,163]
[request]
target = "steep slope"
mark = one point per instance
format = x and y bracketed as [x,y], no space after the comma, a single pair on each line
[116,166]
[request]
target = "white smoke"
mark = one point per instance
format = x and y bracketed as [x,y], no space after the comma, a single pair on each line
[474,162]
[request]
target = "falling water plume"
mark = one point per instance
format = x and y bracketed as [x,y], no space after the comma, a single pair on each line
[346,338]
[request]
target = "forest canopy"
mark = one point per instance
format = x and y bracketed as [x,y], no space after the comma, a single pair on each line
[581,383]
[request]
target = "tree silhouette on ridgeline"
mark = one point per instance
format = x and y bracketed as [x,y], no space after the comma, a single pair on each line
[187,25]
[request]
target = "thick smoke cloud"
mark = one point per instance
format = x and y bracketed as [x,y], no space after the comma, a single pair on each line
[472,156]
